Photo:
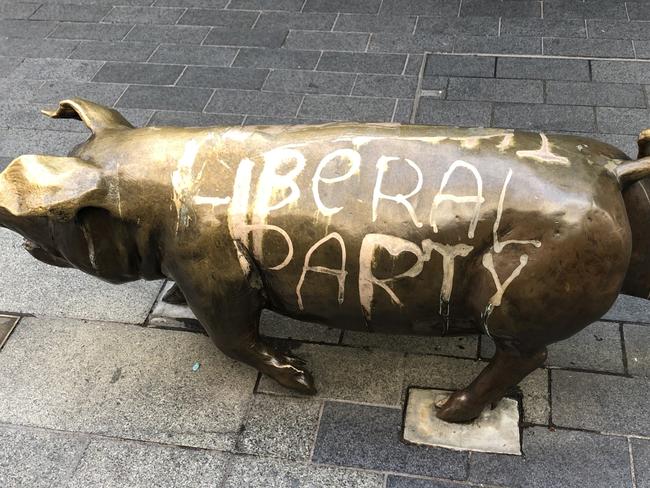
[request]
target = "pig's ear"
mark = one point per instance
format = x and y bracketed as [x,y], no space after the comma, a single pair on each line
[96,117]
[49,186]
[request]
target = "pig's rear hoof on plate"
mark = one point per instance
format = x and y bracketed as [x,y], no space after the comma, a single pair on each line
[459,407]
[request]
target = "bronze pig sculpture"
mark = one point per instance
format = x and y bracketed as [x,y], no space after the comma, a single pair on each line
[385,228]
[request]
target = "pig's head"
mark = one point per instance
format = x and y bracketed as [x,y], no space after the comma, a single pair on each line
[64,208]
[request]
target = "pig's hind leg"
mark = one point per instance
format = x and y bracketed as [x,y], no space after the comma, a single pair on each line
[507,368]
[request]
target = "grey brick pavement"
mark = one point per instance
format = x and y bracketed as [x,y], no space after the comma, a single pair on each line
[90,397]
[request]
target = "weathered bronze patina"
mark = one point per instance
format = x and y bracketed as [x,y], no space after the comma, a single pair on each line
[376,227]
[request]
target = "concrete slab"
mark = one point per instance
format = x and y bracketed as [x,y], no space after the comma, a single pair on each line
[123,381]
[7,324]
[29,286]
[496,430]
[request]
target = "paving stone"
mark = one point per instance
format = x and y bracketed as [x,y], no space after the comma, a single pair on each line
[219,18]
[343,6]
[597,347]
[254,472]
[36,48]
[413,64]
[326,41]
[500,8]
[362,62]
[543,27]
[463,346]
[14,142]
[175,34]
[641,454]
[536,402]
[637,348]
[622,120]
[499,90]
[276,325]
[288,5]
[642,49]
[575,9]
[18,90]
[350,374]
[621,71]
[637,10]
[299,81]
[266,38]
[123,381]
[393,481]
[191,3]
[590,93]
[360,109]
[9,65]
[279,427]
[276,58]
[137,117]
[617,29]
[469,26]
[605,403]
[597,48]
[72,13]
[143,15]
[177,98]
[139,73]
[629,309]
[421,42]
[194,119]
[375,23]
[543,69]
[403,111]
[295,20]
[498,45]
[113,464]
[457,113]
[189,54]
[37,458]
[56,69]
[33,29]
[385,86]
[474,66]
[442,8]
[20,10]
[45,290]
[113,51]
[364,436]
[253,102]
[544,117]
[91,31]
[242,78]
[557,458]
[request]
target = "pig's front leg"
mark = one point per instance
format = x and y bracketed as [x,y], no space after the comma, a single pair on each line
[507,368]
[230,310]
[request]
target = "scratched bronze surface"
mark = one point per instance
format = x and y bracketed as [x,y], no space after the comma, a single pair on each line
[523,236]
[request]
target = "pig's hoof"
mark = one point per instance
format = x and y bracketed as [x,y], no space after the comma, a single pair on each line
[297,379]
[459,407]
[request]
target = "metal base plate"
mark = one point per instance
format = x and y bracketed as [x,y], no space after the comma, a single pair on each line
[496,430]
[7,324]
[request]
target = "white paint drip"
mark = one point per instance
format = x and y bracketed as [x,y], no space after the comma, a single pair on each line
[183,182]
[488,263]
[477,199]
[544,154]
[497,245]
[382,167]
[91,247]
[340,273]
[353,157]
[508,141]
[449,253]
[270,182]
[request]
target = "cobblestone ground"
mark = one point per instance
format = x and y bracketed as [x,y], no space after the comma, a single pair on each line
[92,394]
